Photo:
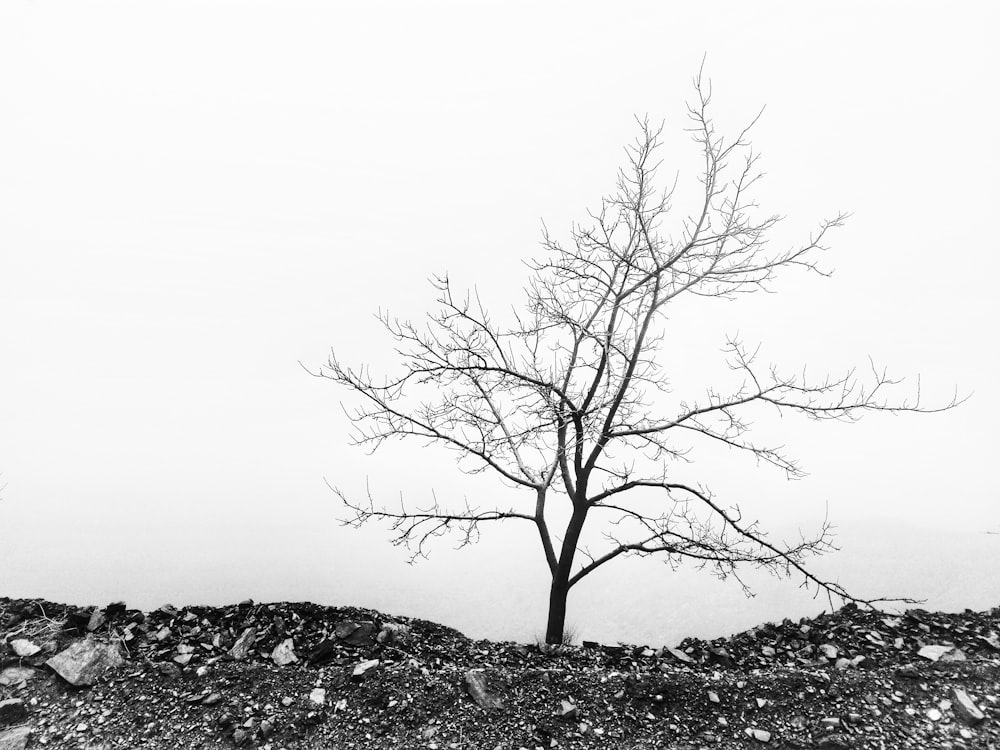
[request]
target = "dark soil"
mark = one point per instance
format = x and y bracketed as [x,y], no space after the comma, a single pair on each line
[851,679]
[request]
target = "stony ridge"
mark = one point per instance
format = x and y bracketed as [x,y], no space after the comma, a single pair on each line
[300,675]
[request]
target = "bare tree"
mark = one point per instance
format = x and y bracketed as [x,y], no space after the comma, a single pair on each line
[562,403]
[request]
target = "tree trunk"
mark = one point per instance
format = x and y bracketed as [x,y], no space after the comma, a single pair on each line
[557,609]
[559,591]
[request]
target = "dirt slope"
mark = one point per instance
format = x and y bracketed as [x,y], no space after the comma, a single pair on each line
[304,676]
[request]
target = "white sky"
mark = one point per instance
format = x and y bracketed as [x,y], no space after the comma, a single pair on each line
[196,196]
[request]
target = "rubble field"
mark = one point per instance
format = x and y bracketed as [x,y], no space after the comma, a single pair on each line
[300,675]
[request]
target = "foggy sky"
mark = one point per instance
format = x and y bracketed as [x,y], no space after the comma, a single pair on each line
[196,197]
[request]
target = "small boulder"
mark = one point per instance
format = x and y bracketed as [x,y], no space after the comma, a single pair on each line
[719,655]
[678,654]
[965,708]
[86,661]
[479,690]
[16,675]
[318,696]
[23,647]
[15,739]
[284,653]
[324,653]
[393,632]
[761,735]
[356,633]
[243,644]
[96,620]
[829,651]
[12,711]
[567,710]
[362,667]
[941,653]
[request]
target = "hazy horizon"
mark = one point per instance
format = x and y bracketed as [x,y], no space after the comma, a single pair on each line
[658,607]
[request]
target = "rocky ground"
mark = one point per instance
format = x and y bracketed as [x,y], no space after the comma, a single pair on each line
[304,676]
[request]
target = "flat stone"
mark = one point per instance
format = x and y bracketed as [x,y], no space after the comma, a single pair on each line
[941,653]
[356,633]
[23,647]
[284,653]
[12,711]
[243,644]
[96,620]
[761,735]
[965,708]
[679,655]
[86,661]
[324,653]
[15,739]
[16,675]
[362,667]
[478,688]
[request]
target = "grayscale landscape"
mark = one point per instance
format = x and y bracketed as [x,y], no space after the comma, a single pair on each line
[441,375]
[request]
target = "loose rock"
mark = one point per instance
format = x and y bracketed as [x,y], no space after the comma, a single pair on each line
[12,711]
[243,644]
[829,651]
[567,710]
[965,708]
[284,653]
[86,661]
[393,633]
[96,620]
[15,739]
[23,647]
[16,675]
[362,667]
[679,655]
[478,688]
[941,653]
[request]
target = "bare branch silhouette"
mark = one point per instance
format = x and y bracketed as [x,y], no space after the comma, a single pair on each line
[552,403]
